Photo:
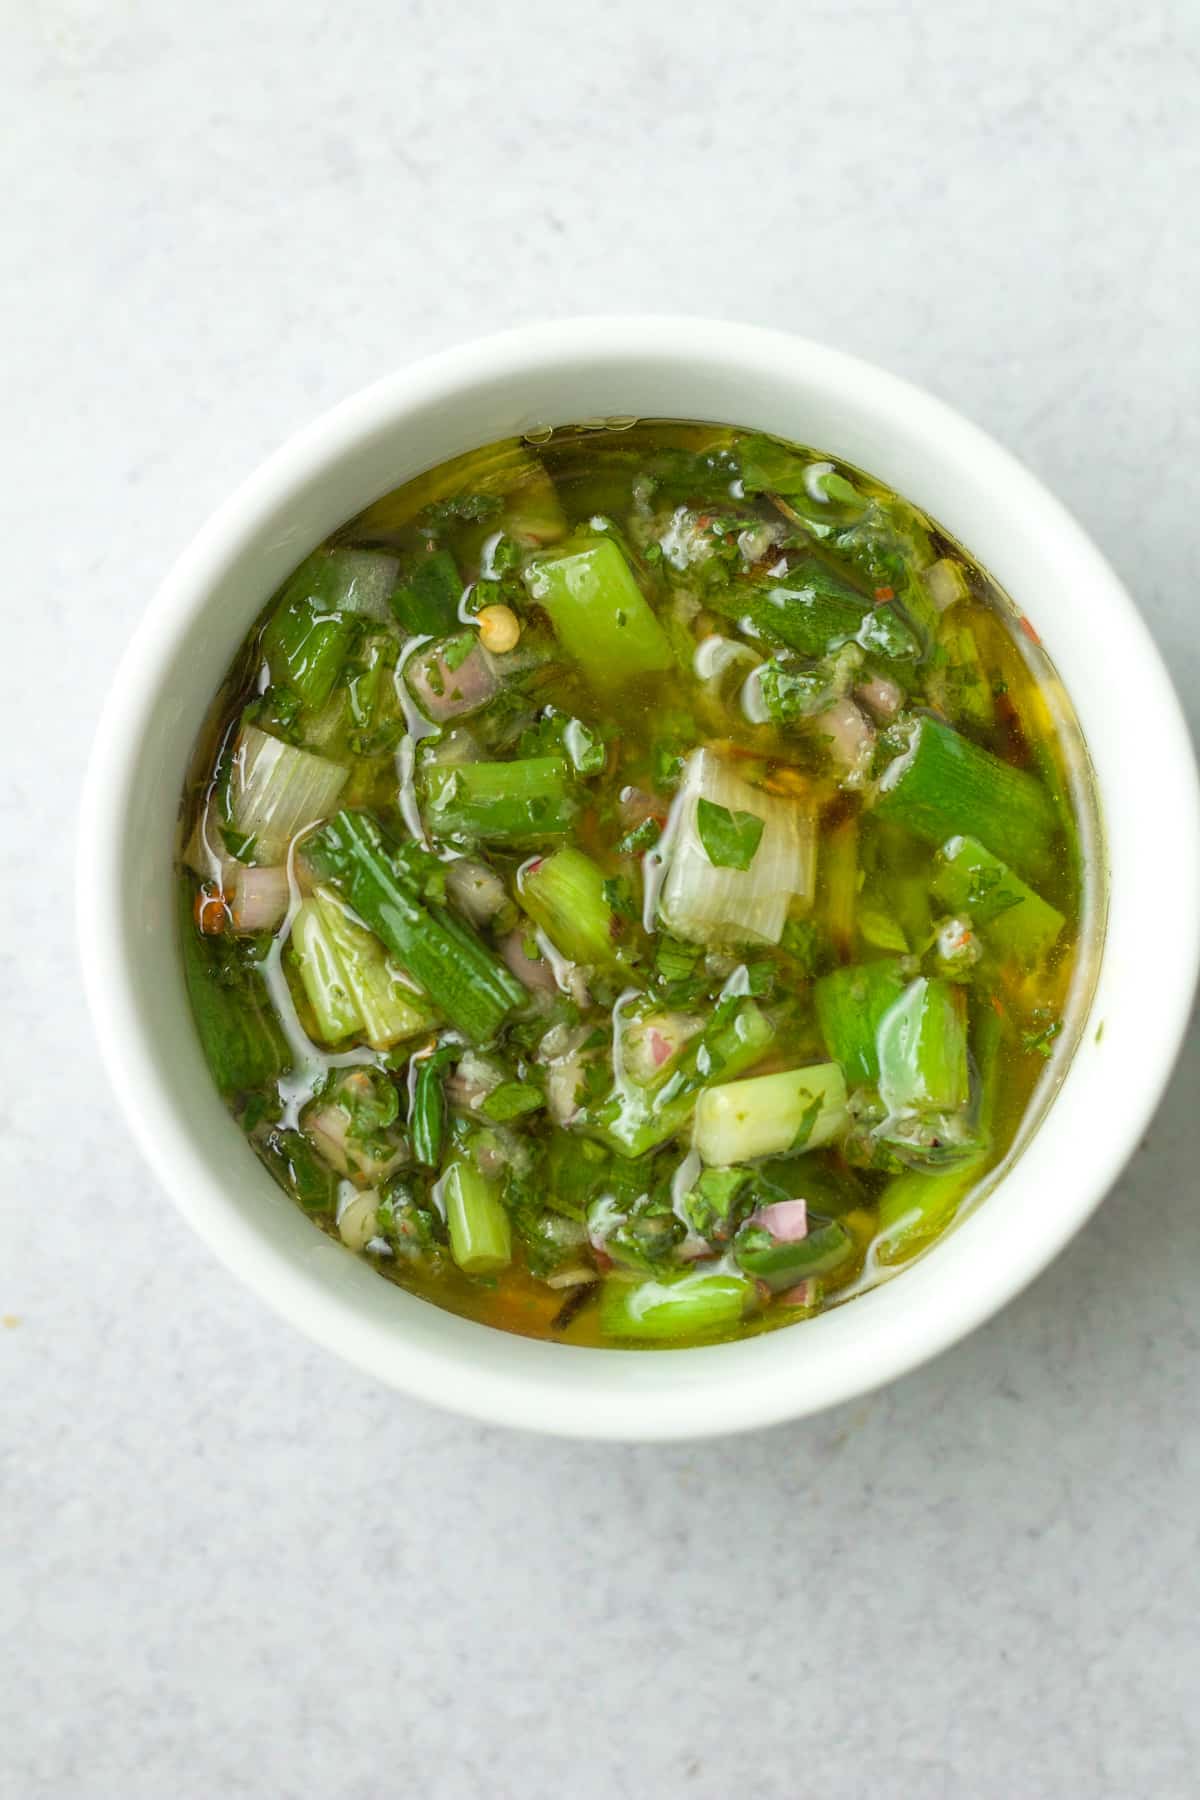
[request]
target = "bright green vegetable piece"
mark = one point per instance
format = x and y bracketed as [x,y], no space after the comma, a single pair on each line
[916,1207]
[351,982]
[574,1169]
[813,612]
[565,894]
[427,1112]
[850,1003]
[296,1165]
[512,1100]
[426,604]
[498,800]
[239,1033]
[766,1115]
[599,613]
[696,1303]
[389,1007]
[943,785]
[462,978]
[480,1233]
[322,976]
[922,1048]
[959,685]
[781,1264]
[968,878]
[633,1121]
[305,643]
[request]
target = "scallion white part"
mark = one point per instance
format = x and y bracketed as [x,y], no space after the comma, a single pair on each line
[766,1115]
[277,791]
[708,904]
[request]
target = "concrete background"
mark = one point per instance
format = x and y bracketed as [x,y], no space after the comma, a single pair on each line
[229,1566]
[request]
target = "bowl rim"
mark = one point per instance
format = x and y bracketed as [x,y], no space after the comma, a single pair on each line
[717,1389]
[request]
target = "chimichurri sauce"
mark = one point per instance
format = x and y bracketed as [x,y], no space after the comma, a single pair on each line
[638,887]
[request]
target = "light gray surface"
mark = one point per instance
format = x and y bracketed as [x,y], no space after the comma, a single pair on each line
[229,1566]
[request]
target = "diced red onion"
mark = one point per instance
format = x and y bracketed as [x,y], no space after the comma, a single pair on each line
[533,973]
[805,1293]
[475,889]
[851,738]
[260,898]
[472,1081]
[463,690]
[882,695]
[786,1220]
[327,1128]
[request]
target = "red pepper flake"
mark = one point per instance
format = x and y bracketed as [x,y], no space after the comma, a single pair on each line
[998,1005]
[1030,633]
[884,594]
[212,912]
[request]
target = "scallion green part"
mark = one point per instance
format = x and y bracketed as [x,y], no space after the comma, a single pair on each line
[462,978]
[599,613]
[944,786]
[480,1233]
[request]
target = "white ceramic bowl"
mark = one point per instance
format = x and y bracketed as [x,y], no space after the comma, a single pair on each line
[560,374]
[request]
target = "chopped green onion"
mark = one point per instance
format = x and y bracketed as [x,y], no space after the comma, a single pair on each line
[565,894]
[322,976]
[850,1004]
[599,613]
[781,1264]
[498,800]
[464,981]
[968,878]
[480,1233]
[239,1033]
[277,791]
[943,786]
[922,1048]
[766,1115]
[427,1109]
[696,1303]
[633,1122]
[916,1207]
[736,904]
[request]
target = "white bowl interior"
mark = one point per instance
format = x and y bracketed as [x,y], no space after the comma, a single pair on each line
[558,375]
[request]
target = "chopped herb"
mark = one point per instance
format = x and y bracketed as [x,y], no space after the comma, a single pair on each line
[730,839]
[1040,1041]
[642,837]
[619,895]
